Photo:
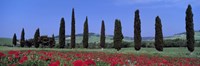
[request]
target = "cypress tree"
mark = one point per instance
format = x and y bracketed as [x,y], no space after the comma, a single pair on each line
[36,38]
[73,37]
[52,42]
[14,41]
[118,36]
[137,31]
[102,38]
[62,33]
[22,40]
[189,29]
[158,35]
[85,34]
[29,42]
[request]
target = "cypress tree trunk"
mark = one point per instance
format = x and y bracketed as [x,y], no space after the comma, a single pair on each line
[158,35]
[118,36]
[62,33]
[73,37]
[54,42]
[137,31]
[22,40]
[102,38]
[14,41]
[36,38]
[85,34]
[189,29]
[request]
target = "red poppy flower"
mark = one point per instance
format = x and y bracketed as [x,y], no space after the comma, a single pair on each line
[90,62]
[78,63]
[15,53]
[113,63]
[57,63]
[2,54]
[23,59]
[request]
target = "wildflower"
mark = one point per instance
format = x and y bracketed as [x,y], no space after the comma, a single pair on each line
[57,63]
[89,62]
[23,59]
[2,54]
[78,63]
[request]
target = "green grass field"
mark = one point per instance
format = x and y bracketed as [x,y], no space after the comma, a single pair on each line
[171,52]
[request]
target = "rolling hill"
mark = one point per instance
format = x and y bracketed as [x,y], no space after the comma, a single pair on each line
[5,41]
[94,38]
[183,36]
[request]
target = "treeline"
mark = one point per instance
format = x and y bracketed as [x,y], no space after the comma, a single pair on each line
[118,43]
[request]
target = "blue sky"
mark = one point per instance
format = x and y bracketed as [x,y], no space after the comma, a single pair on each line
[46,15]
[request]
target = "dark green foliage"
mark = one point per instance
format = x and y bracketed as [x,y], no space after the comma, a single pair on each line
[14,41]
[137,31]
[22,40]
[29,42]
[62,33]
[102,38]
[73,36]
[189,29]
[158,35]
[118,36]
[85,34]
[52,42]
[175,43]
[36,38]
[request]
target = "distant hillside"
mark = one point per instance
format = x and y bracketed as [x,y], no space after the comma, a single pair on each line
[93,37]
[5,41]
[183,36]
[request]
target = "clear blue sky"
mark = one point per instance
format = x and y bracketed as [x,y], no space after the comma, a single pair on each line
[46,15]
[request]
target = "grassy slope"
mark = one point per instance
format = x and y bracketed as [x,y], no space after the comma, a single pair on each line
[172,52]
[7,41]
[183,36]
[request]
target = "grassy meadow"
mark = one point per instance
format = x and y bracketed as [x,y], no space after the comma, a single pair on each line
[171,52]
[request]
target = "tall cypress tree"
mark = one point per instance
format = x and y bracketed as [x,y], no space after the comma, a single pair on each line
[137,31]
[189,29]
[62,33]
[14,41]
[22,40]
[36,38]
[118,36]
[102,38]
[73,36]
[85,34]
[52,42]
[158,35]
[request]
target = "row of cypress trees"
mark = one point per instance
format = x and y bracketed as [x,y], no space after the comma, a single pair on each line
[158,31]
[35,39]
[118,35]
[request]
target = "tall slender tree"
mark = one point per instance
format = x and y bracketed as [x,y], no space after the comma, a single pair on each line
[118,36]
[137,31]
[158,35]
[52,42]
[14,41]
[22,40]
[73,36]
[36,38]
[85,34]
[189,29]
[62,33]
[102,38]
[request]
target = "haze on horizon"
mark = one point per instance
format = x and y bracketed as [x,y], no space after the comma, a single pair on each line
[46,15]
